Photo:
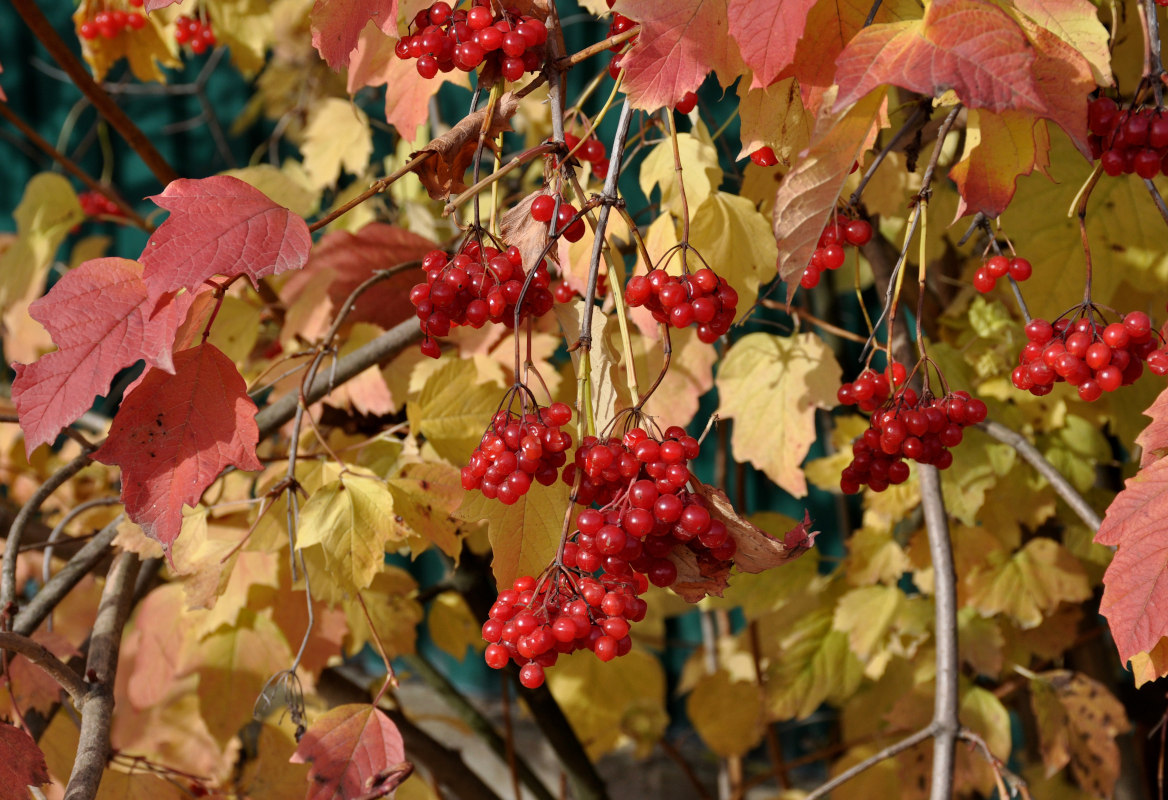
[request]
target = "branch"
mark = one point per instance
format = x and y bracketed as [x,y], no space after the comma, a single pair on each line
[93,749]
[43,30]
[1031,455]
[945,702]
[51,665]
[871,761]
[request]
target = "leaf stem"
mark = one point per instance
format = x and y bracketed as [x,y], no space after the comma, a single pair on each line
[376,188]
[522,158]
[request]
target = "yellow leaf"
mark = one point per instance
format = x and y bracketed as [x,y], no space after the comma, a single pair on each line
[980,642]
[690,375]
[866,616]
[352,520]
[453,409]
[981,463]
[773,117]
[883,779]
[770,386]
[814,664]
[1149,666]
[1030,584]
[611,704]
[736,241]
[46,212]
[609,391]
[453,626]
[287,187]
[700,174]
[424,496]
[1076,23]
[236,328]
[247,27]
[337,136]
[726,713]
[875,557]
[270,776]
[393,610]
[983,713]
[148,49]
[524,536]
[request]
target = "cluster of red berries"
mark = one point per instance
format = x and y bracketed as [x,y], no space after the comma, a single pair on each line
[1130,140]
[764,157]
[445,39]
[517,449]
[907,426]
[544,207]
[871,389]
[108,24]
[533,622]
[829,252]
[591,151]
[476,286]
[1088,354]
[96,204]
[195,33]
[999,267]
[702,297]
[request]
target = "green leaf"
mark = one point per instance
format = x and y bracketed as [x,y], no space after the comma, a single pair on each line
[814,665]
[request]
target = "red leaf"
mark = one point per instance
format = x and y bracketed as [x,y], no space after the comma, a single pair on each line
[1012,144]
[680,43]
[337,24]
[1135,586]
[767,48]
[353,750]
[1154,438]
[102,321]
[220,226]
[970,46]
[173,435]
[23,763]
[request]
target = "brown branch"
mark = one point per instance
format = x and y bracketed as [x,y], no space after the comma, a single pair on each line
[563,64]
[378,187]
[93,748]
[871,761]
[48,663]
[43,30]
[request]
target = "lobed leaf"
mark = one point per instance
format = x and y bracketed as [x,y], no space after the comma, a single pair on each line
[354,750]
[23,763]
[767,34]
[454,150]
[337,24]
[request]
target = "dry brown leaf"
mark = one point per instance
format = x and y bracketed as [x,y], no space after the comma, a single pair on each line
[521,231]
[455,149]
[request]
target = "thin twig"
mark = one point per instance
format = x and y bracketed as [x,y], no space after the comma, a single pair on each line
[871,761]
[52,666]
[377,187]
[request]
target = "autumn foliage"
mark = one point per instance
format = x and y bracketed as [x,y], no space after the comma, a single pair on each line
[827,323]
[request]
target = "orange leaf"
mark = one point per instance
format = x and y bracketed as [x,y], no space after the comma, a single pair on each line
[337,25]
[1011,144]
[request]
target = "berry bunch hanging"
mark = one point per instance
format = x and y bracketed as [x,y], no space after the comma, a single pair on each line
[839,232]
[568,225]
[1128,141]
[96,204]
[591,151]
[702,298]
[444,39]
[108,24]
[519,448]
[999,266]
[1088,353]
[195,33]
[478,285]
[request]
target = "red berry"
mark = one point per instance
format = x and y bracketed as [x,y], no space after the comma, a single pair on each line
[686,104]
[764,157]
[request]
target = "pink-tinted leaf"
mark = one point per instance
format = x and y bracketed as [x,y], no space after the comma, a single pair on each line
[102,320]
[154,5]
[220,226]
[23,763]
[1135,586]
[174,434]
[354,750]
[969,46]
[1154,438]
[680,43]
[767,34]
[337,25]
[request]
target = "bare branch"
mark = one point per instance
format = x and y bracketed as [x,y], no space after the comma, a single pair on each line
[871,761]
[51,665]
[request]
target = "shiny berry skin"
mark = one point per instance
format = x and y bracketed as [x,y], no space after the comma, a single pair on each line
[764,157]
[686,104]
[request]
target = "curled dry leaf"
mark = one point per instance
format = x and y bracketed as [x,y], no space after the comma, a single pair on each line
[455,149]
[525,233]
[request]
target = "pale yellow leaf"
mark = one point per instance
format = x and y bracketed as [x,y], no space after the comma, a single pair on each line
[1030,584]
[453,626]
[736,241]
[337,137]
[700,174]
[773,117]
[726,713]
[47,210]
[454,408]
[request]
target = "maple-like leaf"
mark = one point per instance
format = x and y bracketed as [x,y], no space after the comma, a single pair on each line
[1154,438]
[454,408]
[767,37]
[174,434]
[102,321]
[680,43]
[970,46]
[337,25]
[336,137]
[776,436]
[1007,145]
[23,763]
[1075,22]
[354,751]
[454,150]
[220,226]
[1030,584]
[48,209]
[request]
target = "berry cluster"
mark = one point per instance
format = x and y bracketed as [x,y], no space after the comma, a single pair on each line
[1088,354]
[1128,141]
[195,33]
[906,426]
[591,151]
[871,389]
[96,204]
[702,297]
[999,267]
[764,157]
[544,207]
[517,449]
[478,285]
[617,26]
[445,39]
[829,253]
[108,24]
[533,622]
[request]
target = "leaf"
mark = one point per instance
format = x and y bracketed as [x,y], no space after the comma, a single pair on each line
[970,46]
[726,713]
[48,209]
[773,117]
[808,193]
[1154,438]
[984,714]
[1030,584]
[148,50]
[1135,586]
[453,409]
[866,615]
[159,646]
[354,750]
[336,137]
[1064,78]
[999,148]
[700,174]
[337,24]
[1075,22]
[757,550]
[102,321]
[23,763]
[29,685]
[173,435]
[1078,722]
[815,664]
[680,43]
[424,497]
[352,520]
[775,436]
[767,48]
[520,230]
[407,103]
[269,776]
[453,626]
[735,239]
[284,186]
[524,536]
[454,150]
[220,226]
[393,609]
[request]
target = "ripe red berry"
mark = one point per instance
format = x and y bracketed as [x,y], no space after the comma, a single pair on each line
[764,157]
[686,104]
